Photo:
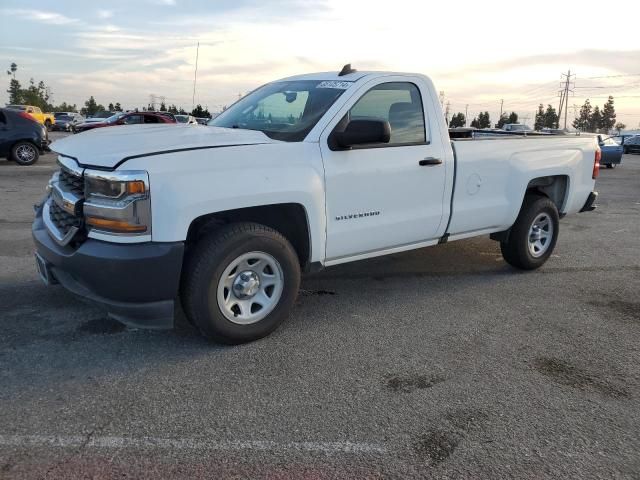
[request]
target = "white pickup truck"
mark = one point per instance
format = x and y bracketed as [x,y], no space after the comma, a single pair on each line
[302,173]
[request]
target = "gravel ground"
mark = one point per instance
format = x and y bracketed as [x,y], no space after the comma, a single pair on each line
[441,363]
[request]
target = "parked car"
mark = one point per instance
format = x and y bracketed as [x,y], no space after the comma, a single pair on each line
[46,119]
[516,127]
[632,144]
[190,119]
[101,115]
[555,131]
[67,121]
[202,121]
[22,138]
[128,118]
[611,152]
[302,173]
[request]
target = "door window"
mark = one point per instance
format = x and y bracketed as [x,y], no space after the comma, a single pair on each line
[151,119]
[398,103]
[133,119]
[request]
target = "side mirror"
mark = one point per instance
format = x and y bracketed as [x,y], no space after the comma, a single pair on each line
[361,132]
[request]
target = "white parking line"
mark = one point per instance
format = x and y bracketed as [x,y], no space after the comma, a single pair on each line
[77,441]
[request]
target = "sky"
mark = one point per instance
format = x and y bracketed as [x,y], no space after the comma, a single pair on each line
[477,53]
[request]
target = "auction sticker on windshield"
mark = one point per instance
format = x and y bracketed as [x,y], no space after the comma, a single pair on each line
[334,84]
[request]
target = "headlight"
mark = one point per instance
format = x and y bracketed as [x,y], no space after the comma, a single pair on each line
[117,202]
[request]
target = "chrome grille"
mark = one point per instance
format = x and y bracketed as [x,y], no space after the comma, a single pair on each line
[72,182]
[62,211]
[63,220]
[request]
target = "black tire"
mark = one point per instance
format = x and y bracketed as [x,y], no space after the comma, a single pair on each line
[205,265]
[515,249]
[609,165]
[25,153]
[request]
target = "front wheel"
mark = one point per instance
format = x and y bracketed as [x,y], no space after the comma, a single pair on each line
[533,236]
[25,153]
[240,283]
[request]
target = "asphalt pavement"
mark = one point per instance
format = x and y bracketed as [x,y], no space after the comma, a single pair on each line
[438,363]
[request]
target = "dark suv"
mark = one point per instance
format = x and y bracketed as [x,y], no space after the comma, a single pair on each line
[22,139]
[632,144]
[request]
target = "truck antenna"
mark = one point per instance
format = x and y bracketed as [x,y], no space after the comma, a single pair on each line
[346,70]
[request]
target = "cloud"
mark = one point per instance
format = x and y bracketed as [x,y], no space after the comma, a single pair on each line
[40,16]
[104,14]
[625,61]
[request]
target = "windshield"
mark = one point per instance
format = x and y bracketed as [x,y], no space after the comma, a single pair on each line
[283,110]
[181,118]
[64,115]
[114,118]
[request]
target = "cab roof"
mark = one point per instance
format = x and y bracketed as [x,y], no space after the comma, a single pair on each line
[350,77]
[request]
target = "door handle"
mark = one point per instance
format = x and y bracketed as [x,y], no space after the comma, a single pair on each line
[430,161]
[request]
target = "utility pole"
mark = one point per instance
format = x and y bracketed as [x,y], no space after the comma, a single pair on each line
[446,113]
[442,99]
[466,114]
[564,96]
[195,77]
[152,102]
[501,104]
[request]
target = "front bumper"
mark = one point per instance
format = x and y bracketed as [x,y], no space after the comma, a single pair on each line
[136,283]
[589,205]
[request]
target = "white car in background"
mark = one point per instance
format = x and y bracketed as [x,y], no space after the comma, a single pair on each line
[190,119]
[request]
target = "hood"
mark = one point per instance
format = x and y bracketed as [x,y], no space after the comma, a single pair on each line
[105,147]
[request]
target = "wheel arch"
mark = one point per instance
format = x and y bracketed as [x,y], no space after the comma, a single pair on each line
[290,219]
[554,187]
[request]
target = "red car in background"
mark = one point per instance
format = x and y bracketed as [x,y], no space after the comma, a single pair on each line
[127,118]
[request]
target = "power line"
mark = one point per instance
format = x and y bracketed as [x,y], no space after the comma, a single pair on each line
[616,76]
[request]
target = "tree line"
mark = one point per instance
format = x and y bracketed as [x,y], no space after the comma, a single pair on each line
[483,120]
[594,120]
[40,95]
[597,120]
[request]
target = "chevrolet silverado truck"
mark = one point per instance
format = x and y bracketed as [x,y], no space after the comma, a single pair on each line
[46,119]
[303,173]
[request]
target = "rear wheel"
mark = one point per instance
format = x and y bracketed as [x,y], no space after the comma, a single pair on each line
[240,283]
[25,153]
[533,236]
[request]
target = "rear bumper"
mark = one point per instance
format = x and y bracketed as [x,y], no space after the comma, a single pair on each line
[590,205]
[135,283]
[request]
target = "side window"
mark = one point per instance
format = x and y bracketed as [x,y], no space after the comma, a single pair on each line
[400,104]
[133,119]
[3,119]
[36,110]
[150,119]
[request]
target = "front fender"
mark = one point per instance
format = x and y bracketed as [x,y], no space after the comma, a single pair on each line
[187,185]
